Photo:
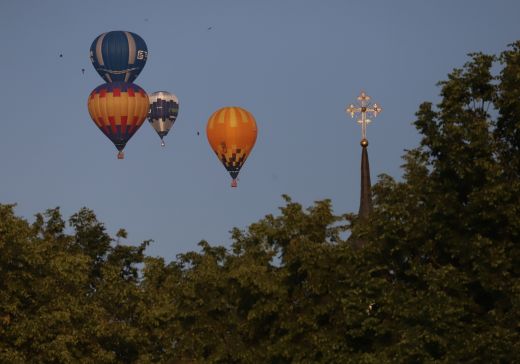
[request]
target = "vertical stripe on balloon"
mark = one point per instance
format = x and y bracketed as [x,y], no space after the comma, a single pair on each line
[99,53]
[131,48]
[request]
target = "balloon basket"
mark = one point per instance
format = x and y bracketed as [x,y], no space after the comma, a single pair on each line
[120,155]
[234,183]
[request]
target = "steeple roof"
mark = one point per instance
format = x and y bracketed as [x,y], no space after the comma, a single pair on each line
[364,108]
[365,203]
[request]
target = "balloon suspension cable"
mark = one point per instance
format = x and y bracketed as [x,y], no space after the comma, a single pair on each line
[121,155]
[234,183]
[162,143]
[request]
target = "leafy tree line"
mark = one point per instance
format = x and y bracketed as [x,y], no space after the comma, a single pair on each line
[437,278]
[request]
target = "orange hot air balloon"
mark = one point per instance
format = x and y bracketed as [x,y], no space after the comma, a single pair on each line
[118,109]
[232,133]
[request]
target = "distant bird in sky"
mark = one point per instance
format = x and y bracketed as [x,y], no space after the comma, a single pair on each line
[83,71]
[61,55]
[198,133]
[209,28]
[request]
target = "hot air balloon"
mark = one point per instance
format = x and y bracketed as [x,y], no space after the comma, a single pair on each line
[118,55]
[232,134]
[164,108]
[118,109]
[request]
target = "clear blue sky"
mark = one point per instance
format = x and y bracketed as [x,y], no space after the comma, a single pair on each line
[295,64]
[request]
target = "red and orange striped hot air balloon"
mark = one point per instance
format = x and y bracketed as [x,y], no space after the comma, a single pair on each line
[118,109]
[232,134]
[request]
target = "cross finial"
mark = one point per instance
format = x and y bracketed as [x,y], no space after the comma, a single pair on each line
[364,107]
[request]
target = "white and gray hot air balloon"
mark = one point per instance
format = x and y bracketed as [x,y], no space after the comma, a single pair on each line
[164,108]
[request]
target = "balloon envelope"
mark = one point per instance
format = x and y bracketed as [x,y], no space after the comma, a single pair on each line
[118,55]
[164,108]
[231,133]
[118,109]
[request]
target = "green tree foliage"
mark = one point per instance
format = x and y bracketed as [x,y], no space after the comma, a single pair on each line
[437,278]
[66,298]
[448,235]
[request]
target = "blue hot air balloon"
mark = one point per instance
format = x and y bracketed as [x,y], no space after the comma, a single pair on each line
[118,55]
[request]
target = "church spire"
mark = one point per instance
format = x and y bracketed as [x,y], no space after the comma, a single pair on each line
[363,108]
[365,203]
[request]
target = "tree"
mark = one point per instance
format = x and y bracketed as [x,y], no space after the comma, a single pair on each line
[66,298]
[438,279]
[448,234]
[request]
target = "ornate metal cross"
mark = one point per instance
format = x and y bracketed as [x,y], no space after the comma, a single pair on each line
[363,108]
